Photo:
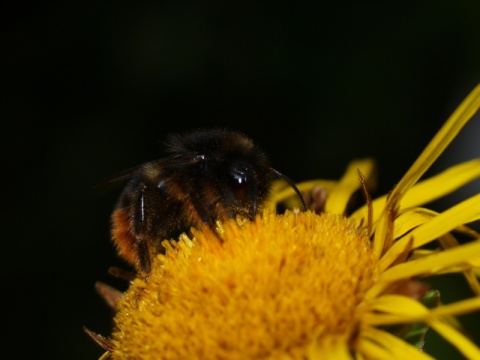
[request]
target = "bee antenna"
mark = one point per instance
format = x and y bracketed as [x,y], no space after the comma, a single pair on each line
[293,186]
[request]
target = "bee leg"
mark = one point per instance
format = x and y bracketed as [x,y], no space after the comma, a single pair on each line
[203,213]
[141,230]
[144,256]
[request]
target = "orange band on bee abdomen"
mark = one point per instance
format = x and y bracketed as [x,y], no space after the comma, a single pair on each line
[123,238]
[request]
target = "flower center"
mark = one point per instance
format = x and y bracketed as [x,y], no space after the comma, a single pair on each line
[274,286]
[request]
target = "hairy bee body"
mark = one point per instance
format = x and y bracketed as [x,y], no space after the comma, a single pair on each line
[207,176]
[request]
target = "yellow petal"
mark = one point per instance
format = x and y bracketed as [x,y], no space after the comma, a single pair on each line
[373,350]
[460,307]
[431,264]
[411,219]
[378,344]
[332,348]
[401,311]
[472,280]
[428,190]
[462,213]
[105,356]
[399,304]
[341,194]
[282,193]
[434,149]
[441,140]
[456,338]
[396,309]
[442,184]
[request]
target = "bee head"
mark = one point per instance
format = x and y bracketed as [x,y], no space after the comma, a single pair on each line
[248,186]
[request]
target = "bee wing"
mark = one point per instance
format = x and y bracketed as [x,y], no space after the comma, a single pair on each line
[118,177]
[175,161]
[179,161]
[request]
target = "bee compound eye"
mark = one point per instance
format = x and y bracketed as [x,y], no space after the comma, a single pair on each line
[239,176]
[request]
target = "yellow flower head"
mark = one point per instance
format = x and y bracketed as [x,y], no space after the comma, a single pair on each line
[266,291]
[307,285]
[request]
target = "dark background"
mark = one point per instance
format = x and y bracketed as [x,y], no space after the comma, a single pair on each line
[93,87]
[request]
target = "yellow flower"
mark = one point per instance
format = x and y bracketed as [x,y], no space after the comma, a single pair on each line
[304,285]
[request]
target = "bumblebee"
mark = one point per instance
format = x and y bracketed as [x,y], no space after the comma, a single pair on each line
[207,175]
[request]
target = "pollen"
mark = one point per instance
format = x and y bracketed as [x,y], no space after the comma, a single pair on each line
[272,288]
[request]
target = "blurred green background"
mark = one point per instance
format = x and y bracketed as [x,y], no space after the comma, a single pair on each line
[93,87]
